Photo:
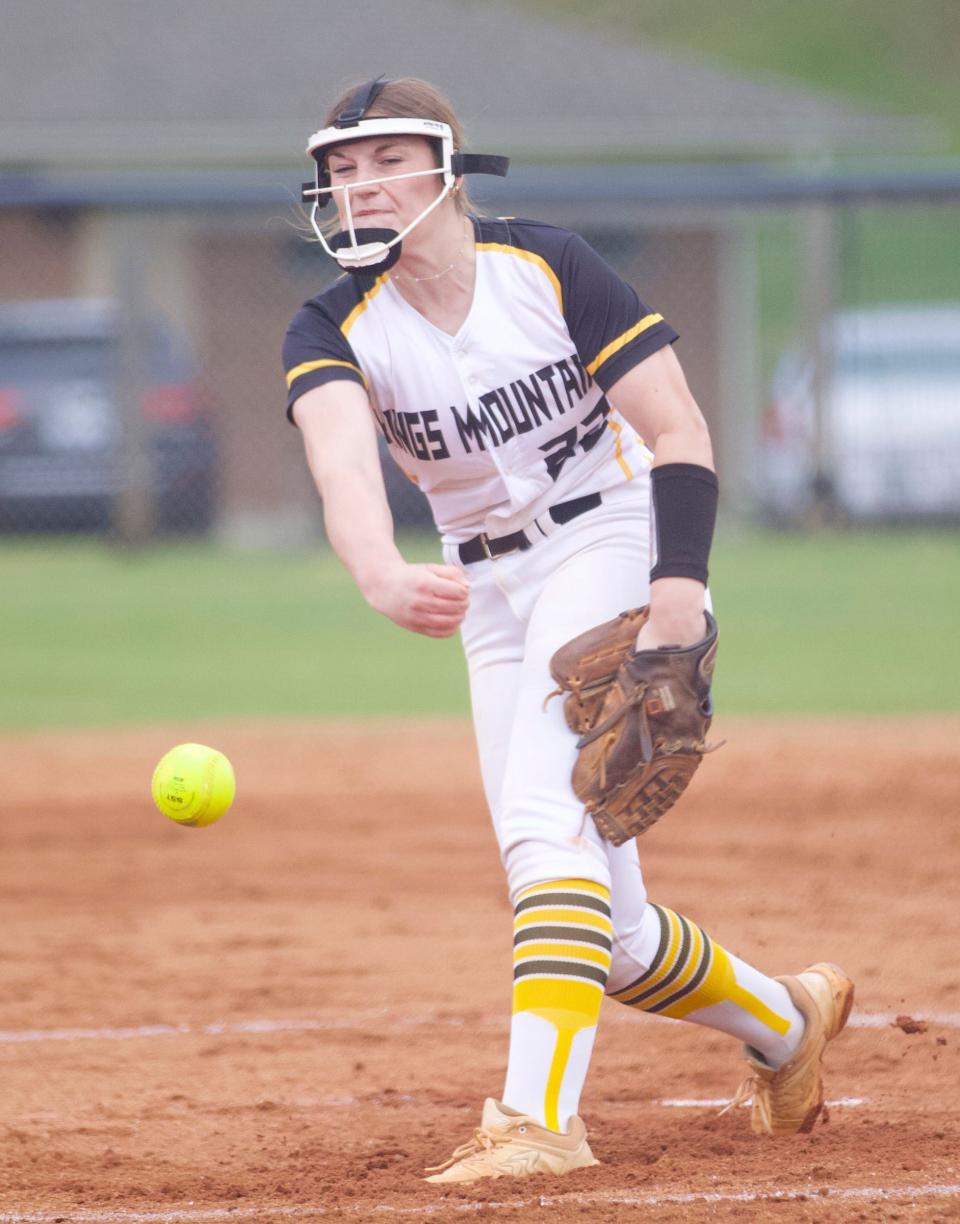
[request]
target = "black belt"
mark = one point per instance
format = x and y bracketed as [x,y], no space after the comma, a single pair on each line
[482,546]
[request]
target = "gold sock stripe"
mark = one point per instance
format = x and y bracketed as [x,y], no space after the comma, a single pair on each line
[558,1065]
[623,994]
[562,1001]
[675,973]
[691,975]
[585,886]
[585,919]
[574,946]
[556,950]
[671,968]
[679,962]
[561,958]
[564,934]
[560,970]
[558,898]
[675,939]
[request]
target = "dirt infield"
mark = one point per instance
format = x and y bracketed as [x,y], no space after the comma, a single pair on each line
[288,1015]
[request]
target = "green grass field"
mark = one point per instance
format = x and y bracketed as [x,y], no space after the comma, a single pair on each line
[846,624]
[892,57]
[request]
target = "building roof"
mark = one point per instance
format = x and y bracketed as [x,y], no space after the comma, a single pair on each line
[243,82]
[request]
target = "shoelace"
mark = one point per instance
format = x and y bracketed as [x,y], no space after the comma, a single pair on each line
[482,1141]
[751,1089]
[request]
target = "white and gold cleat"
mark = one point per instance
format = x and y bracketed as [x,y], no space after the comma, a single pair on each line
[510,1144]
[788,1100]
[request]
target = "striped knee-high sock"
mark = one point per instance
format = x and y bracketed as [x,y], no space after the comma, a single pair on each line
[562,947]
[691,977]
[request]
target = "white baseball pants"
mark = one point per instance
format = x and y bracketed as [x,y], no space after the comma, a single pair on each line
[523,606]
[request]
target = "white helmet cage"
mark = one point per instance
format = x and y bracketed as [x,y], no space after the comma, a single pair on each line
[376,250]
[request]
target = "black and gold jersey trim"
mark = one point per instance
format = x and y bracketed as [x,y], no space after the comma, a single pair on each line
[317,347]
[611,327]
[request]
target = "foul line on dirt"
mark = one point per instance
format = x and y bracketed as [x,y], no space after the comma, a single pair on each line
[600,1198]
[222,1028]
[721,1102]
[368,1020]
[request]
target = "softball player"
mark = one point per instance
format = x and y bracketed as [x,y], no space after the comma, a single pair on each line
[513,375]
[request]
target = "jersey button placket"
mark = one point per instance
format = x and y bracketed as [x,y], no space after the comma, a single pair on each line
[472,384]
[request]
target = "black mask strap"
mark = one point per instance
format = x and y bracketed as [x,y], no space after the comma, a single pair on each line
[479,163]
[360,102]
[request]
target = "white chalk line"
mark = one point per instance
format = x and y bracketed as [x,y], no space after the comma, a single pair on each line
[364,1022]
[583,1199]
[722,1102]
[361,1021]
[344,1100]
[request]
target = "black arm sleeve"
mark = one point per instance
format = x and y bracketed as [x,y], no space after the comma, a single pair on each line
[684,512]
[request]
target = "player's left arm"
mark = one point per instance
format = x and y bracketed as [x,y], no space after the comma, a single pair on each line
[654,398]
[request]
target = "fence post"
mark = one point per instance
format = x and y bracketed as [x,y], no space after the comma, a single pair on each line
[739,407]
[133,511]
[818,289]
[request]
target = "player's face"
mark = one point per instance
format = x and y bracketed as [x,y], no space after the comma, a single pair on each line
[386,204]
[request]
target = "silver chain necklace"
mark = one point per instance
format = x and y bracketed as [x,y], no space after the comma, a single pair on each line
[418,280]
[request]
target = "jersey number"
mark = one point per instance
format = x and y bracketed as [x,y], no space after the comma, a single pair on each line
[564,446]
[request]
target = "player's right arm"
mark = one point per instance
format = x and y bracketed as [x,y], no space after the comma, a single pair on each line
[341,445]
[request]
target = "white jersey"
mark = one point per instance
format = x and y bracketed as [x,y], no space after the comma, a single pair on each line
[508,416]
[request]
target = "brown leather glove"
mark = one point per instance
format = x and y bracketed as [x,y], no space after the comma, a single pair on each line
[642,719]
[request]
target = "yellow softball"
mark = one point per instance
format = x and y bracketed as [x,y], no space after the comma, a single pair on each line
[193,785]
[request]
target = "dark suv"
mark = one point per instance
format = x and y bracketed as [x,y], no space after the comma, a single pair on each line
[61,466]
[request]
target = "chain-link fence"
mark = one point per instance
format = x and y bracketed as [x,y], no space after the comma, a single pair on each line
[141,389]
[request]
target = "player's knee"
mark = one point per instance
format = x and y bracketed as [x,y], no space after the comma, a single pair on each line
[537,859]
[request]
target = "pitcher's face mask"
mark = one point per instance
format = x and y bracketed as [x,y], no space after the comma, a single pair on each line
[364,249]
